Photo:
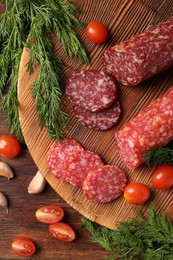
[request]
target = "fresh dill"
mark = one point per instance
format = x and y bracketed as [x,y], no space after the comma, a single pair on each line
[158,156]
[147,238]
[30,24]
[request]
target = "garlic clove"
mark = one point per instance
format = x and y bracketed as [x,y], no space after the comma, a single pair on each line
[6,171]
[3,201]
[37,184]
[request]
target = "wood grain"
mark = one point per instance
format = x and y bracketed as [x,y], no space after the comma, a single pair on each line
[123,19]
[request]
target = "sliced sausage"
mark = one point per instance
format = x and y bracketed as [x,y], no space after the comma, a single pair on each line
[79,165]
[92,90]
[104,184]
[100,120]
[59,154]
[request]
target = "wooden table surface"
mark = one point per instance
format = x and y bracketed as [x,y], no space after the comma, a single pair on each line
[21,221]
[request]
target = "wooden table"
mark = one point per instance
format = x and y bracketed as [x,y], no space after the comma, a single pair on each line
[21,221]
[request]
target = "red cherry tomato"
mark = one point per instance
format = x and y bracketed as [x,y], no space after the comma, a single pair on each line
[162,177]
[96,32]
[62,231]
[9,146]
[136,193]
[49,214]
[23,246]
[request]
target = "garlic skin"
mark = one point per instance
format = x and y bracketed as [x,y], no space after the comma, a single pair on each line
[37,184]
[3,201]
[6,171]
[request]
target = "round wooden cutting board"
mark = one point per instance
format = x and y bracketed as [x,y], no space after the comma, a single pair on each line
[123,19]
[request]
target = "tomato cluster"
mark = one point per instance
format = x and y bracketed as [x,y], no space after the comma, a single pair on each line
[52,215]
[138,193]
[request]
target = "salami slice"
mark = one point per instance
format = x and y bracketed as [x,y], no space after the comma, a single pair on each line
[151,128]
[79,165]
[59,155]
[142,56]
[92,90]
[100,120]
[104,184]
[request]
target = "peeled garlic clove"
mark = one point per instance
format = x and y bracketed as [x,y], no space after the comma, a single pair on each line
[3,201]
[37,184]
[6,171]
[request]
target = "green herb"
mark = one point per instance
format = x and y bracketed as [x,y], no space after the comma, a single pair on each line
[30,23]
[145,238]
[160,156]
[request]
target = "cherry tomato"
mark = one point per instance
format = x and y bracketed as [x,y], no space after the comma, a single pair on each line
[162,177]
[62,231]
[96,32]
[49,214]
[136,193]
[23,246]
[9,146]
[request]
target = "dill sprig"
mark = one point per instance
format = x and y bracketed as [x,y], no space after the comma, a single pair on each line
[147,238]
[30,24]
[158,156]
[46,88]
[12,38]
[10,99]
